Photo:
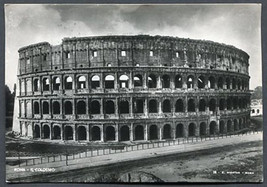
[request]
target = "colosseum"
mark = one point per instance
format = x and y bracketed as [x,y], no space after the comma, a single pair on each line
[131,88]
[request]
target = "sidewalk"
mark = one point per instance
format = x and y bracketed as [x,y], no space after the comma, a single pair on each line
[127,156]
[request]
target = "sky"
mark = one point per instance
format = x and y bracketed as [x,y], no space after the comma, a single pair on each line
[232,24]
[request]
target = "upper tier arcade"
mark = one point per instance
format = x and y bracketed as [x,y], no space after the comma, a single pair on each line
[130,51]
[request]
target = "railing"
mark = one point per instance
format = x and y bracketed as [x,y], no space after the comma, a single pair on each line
[126,148]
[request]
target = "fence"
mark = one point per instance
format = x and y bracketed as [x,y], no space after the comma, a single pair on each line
[126,148]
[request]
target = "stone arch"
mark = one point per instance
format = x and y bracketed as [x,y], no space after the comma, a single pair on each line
[124,81]
[240,124]
[153,106]
[213,128]
[222,104]
[95,133]
[153,132]
[167,131]
[191,129]
[56,107]
[95,107]
[56,83]
[124,133]
[221,127]
[229,103]
[56,132]
[110,133]
[109,82]
[203,129]
[37,131]
[46,131]
[45,84]
[179,105]
[228,83]
[202,105]
[68,107]
[109,107]
[139,106]
[45,107]
[95,82]
[68,83]
[201,82]
[179,130]
[212,105]
[235,125]
[229,126]
[68,131]
[138,80]
[152,81]
[233,83]
[178,81]
[36,85]
[165,81]
[166,106]
[124,107]
[191,105]
[36,109]
[81,107]
[81,83]
[139,132]
[81,133]
[235,103]
[220,83]
[211,82]
[190,81]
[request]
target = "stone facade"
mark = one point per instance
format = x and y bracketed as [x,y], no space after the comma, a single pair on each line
[121,88]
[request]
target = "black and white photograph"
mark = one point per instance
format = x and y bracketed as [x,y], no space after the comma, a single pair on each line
[133,93]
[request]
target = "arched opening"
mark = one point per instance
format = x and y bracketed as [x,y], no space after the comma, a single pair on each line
[36,108]
[68,108]
[233,83]
[45,107]
[228,83]
[165,81]
[201,82]
[110,133]
[153,132]
[57,133]
[153,106]
[56,107]
[222,104]
[235,125]
[68,133]
[221,127]
[139,106]
[95,107]
[179,130]
[190,81]
[166,106]
[37,131]
[212,128]
[81,82]
[36,85]
[191,130]
[167,131]
[212,105]
[109,82]
[240,124]
[152,81]
[235,103]
[240,103]
[81,107]
[139,132]
[229,103]
[220,83]
[81,133]
[202,129]
[109,107]
[211,82]
[229,126]
[56,83]
[178,81]
[68,83]
[45,84]
[238,84]
[202,105]
[95,134]
[124,79]
[125,133]
[138,80]
[95,82]
[191,105]
[46,132]
[124,107]
[179,106]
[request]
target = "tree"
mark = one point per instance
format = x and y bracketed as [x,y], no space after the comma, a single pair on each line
[257,93]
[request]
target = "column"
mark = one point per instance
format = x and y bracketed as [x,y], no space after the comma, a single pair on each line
[62,132]
[144,76]
[172,84]
[51,132]
[102,133]
[131,106]
[146,106]
[116,106]
[74,132]
[117,134]
[145,133]
[160,134]
[173,131]
[159,82]
[160,106]
[131,132]
[102,106]
[88,133]
[130,85]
